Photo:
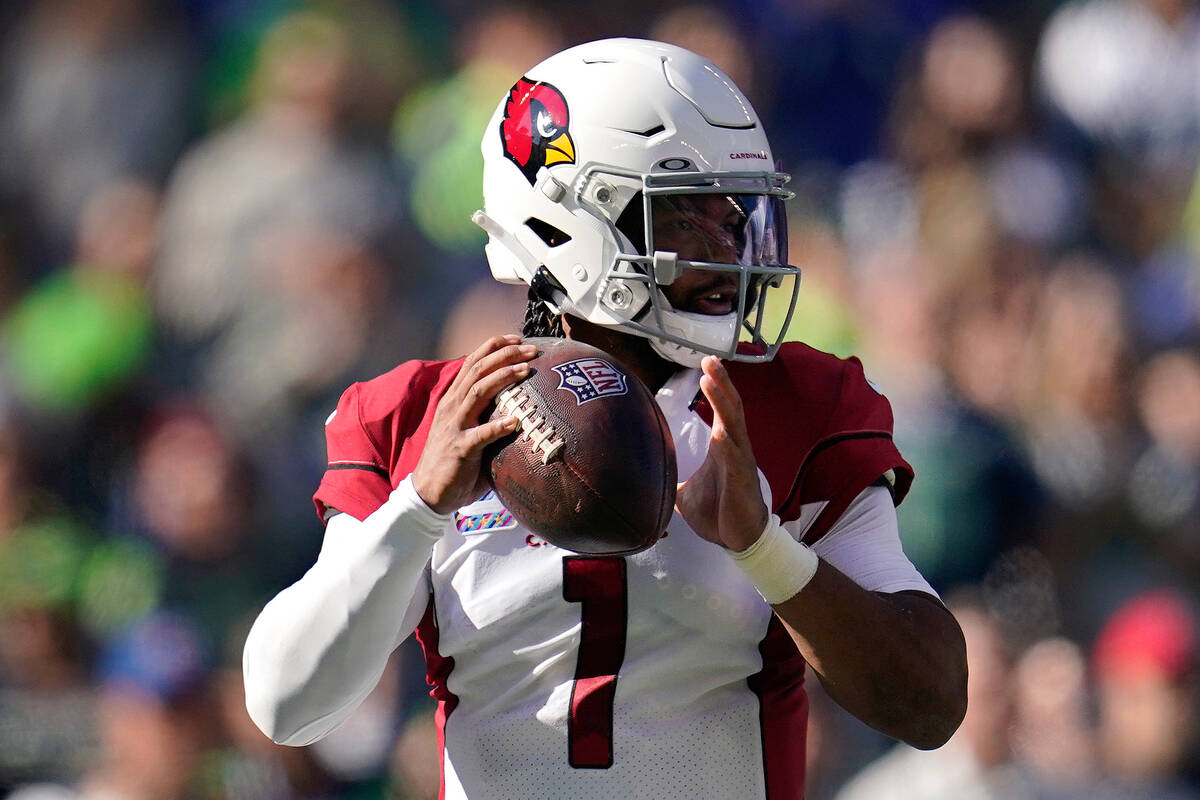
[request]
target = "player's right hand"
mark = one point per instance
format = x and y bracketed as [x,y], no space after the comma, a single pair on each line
[722,501]
[448,474]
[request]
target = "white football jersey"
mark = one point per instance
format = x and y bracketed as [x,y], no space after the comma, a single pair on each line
[662,674]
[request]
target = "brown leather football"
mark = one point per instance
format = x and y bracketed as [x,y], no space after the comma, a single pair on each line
[591,468]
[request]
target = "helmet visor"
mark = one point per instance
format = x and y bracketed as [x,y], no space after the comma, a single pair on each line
[747,230]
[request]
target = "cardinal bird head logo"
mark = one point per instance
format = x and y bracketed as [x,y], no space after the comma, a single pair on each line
[534,129]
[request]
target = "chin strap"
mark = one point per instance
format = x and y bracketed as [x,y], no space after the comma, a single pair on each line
[546,288]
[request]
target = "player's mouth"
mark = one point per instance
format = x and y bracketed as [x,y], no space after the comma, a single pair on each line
[717,298]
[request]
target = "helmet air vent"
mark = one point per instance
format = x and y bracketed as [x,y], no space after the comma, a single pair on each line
[552,236]
[655,131]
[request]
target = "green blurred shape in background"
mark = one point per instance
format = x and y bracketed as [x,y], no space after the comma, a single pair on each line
[39,563]
[437,134]
[76,335]
[120,581]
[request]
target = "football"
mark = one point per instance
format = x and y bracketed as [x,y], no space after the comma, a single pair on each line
[591,467]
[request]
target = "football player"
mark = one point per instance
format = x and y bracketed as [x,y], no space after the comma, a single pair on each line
[630,185]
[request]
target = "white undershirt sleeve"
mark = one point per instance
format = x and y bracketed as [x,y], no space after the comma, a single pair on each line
[318,648]
[864,544]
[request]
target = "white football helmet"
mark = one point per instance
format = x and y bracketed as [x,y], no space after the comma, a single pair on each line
[583,153]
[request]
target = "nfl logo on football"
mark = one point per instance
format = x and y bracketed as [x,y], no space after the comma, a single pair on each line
[589,378]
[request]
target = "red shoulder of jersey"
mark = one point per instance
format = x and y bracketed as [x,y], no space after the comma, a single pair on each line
[375,436]
[821,432]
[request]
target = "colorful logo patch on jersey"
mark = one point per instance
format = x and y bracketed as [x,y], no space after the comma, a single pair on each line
[589,378]
[485,515]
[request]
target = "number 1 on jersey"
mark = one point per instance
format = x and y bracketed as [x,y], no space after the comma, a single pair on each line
[599,585]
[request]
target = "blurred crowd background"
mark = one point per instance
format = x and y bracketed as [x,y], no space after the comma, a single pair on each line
[215,215]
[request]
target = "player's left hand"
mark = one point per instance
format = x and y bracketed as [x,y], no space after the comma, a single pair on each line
[722,501]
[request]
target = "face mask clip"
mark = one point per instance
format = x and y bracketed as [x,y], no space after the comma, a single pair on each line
[666,267]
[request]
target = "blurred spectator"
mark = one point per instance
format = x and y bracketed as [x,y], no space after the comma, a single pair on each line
[1053,734]
[1038,196]
[968,77]
[187,494]
[41,563]
[964,93]
[1145,662]
[1164,485]
[155,717]
[201,274]
[321,311]
[62,589]
[1077,422]
[93,90]
[85,330]
[978,496]
[239,197]
[156,712]
[185,476]
[384,55]
[986,345]
[977,762]
[1124,73]
[46,702]
[1076,410]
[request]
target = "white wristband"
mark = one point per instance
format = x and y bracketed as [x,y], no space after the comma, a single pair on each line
[777,565]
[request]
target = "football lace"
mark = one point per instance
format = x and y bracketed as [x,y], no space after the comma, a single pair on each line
[536,430]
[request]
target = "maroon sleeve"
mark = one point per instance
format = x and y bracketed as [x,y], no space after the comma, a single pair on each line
[821,432]
[356,478]
[376,435]
[854,451]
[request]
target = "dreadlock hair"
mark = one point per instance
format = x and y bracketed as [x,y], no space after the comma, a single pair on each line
[538,319]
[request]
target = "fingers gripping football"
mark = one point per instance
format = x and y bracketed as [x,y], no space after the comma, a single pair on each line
[723,500]
[447,475]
